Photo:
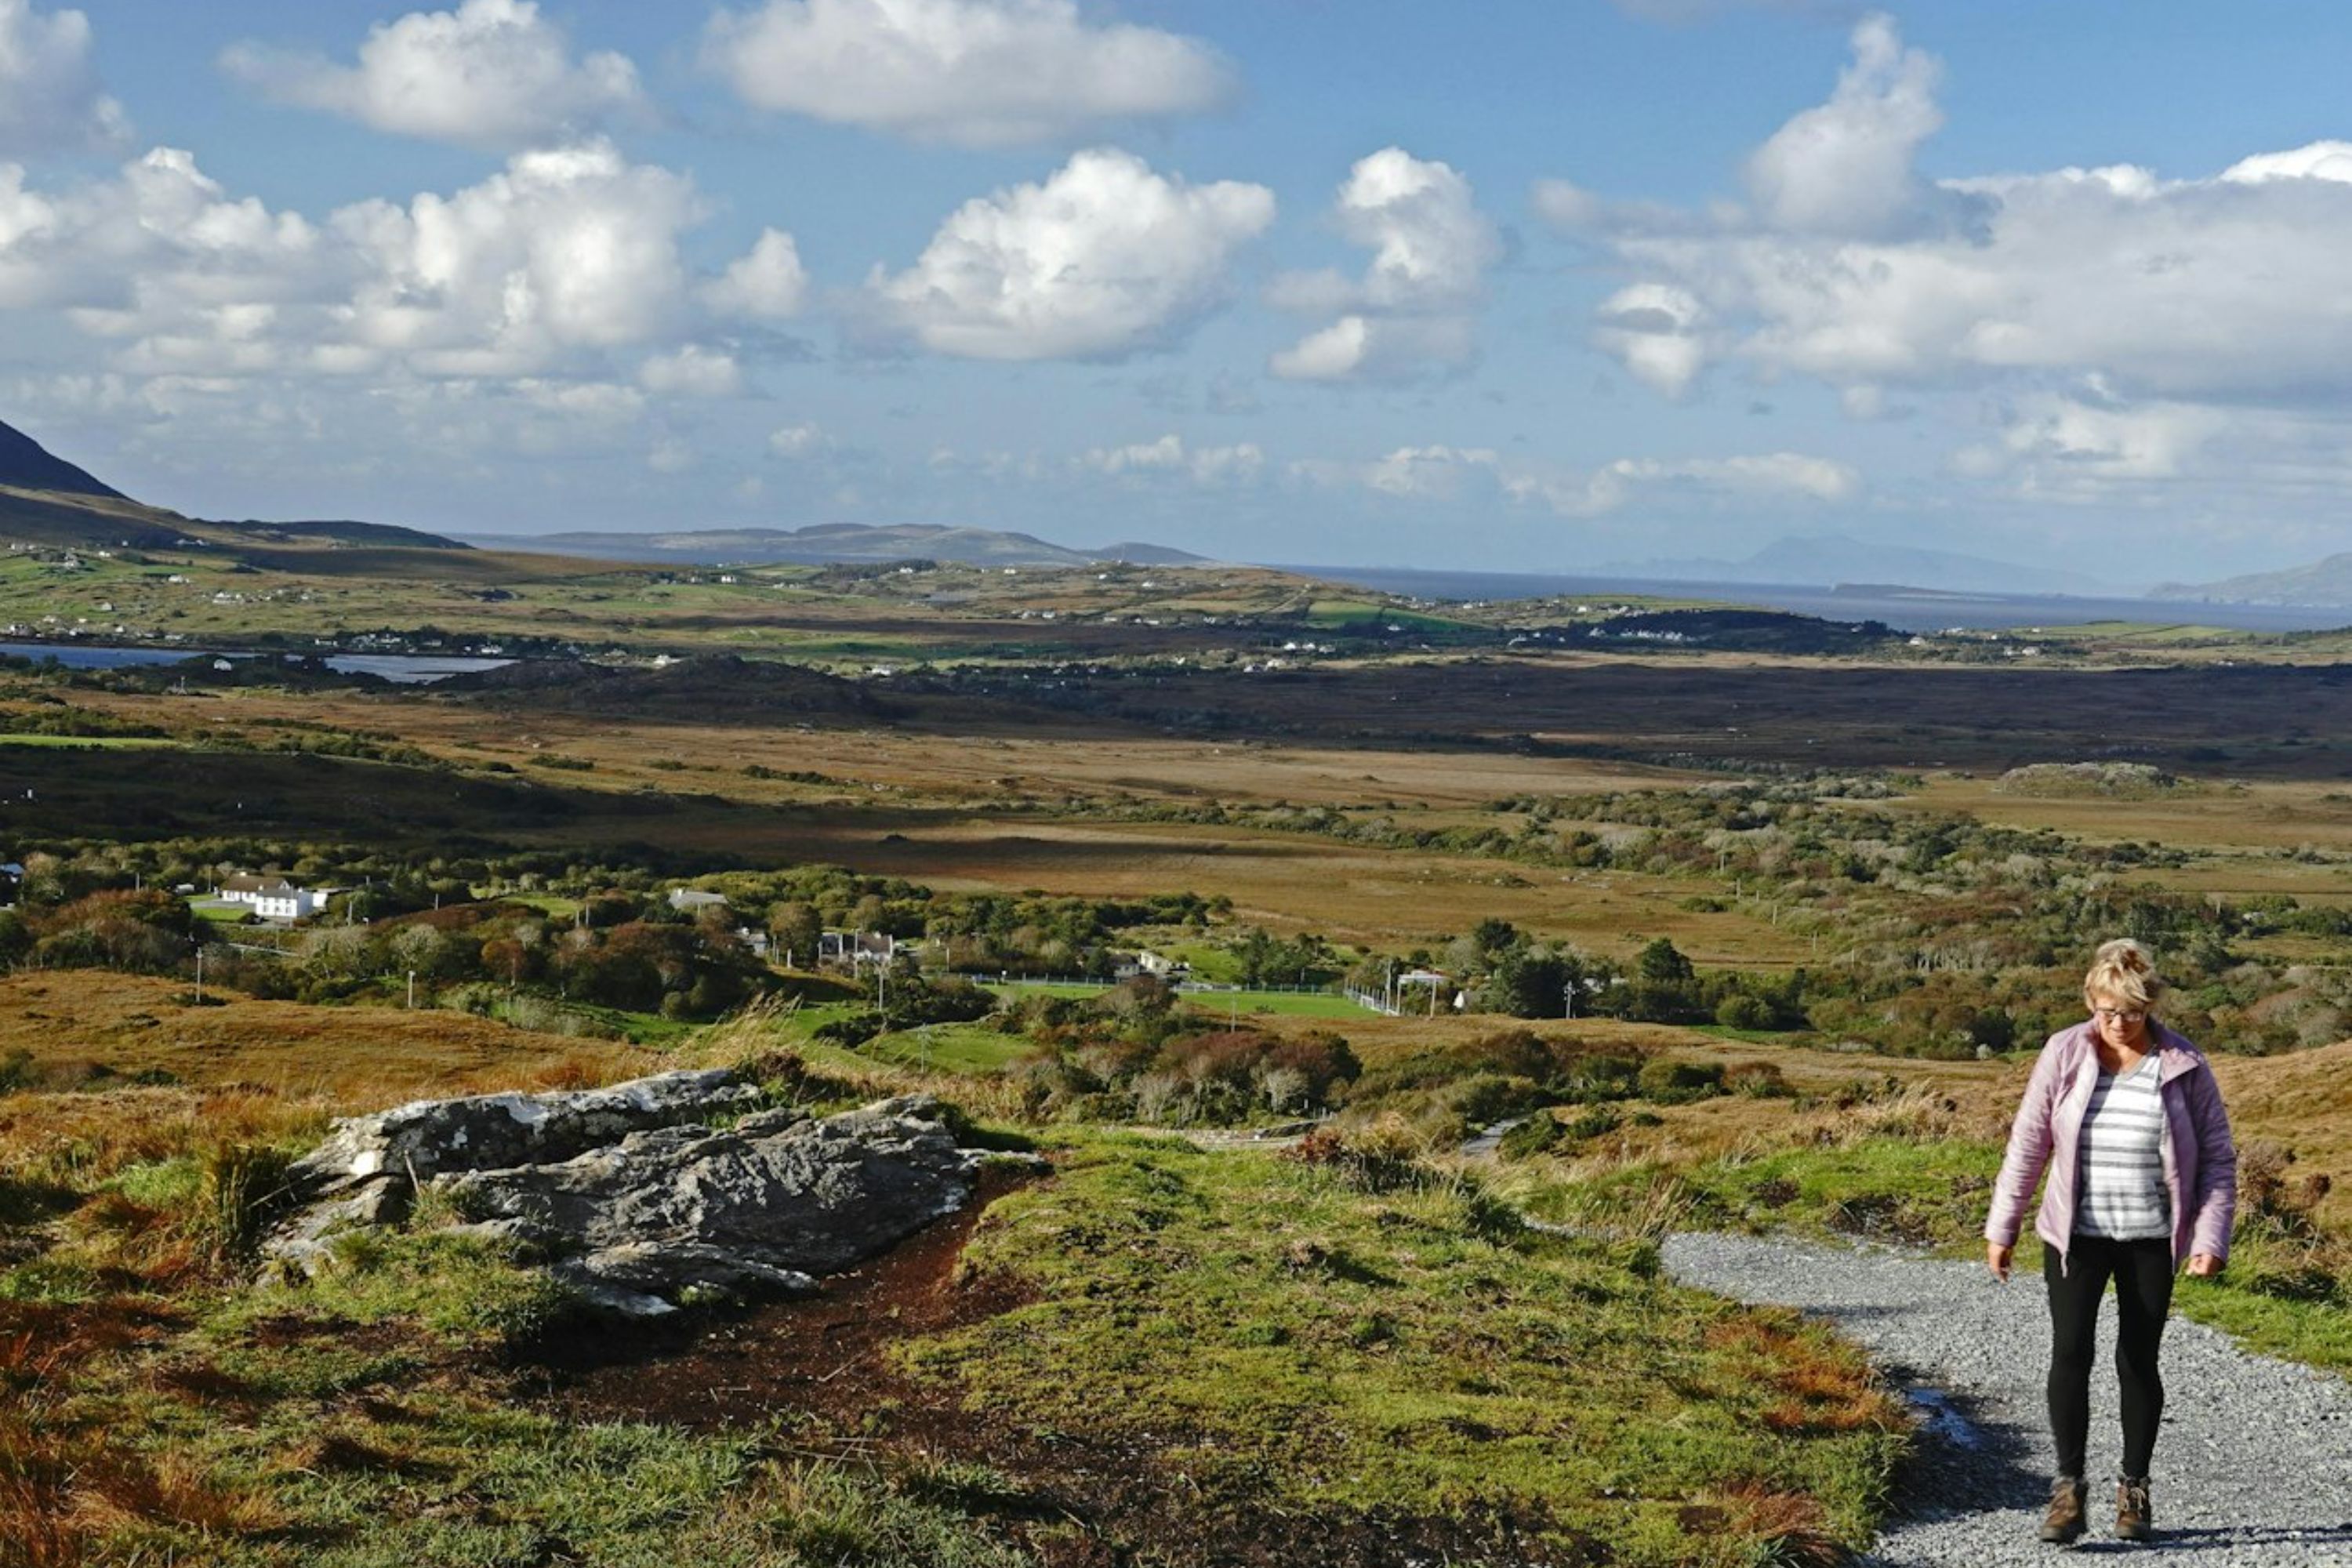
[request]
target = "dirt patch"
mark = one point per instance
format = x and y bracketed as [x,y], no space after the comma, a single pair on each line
[1078,1500]
[823,1355]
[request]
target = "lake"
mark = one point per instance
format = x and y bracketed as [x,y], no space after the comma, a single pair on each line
[404,669]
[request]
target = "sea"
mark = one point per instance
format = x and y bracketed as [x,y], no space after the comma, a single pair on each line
[1904,609]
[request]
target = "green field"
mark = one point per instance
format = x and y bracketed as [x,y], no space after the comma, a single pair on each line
[947,1047]
[90,743]
[1218,1004]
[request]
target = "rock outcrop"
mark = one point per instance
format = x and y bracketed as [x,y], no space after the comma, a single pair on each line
[632,1196]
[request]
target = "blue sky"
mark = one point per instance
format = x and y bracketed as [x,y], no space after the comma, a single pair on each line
[1530,284]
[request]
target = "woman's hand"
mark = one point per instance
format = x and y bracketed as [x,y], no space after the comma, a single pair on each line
[1997,1258]
[2204,1265]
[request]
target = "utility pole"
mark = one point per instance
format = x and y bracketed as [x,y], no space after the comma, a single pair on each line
[412,989]
[200,974]
[1568,1000]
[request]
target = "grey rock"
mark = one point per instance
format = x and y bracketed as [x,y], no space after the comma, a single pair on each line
[631,1197]
[488,1132]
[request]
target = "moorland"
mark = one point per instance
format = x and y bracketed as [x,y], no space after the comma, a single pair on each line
[1709,916]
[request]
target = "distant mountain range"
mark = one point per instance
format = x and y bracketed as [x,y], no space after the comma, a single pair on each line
[2323,583]
[829,544]
[1828,559]
[44,500]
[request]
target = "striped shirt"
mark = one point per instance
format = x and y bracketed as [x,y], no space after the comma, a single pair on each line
[2119,1171]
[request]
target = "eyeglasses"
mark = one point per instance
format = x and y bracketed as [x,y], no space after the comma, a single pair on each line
[2118,1015]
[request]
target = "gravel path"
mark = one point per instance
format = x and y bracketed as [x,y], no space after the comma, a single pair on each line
[2255,1465]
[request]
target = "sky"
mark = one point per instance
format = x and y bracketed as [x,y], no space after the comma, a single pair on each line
[1533,285]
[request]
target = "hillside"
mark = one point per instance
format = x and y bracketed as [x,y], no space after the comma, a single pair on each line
[26,464]
[2324,583]
[826,543]
[45,500]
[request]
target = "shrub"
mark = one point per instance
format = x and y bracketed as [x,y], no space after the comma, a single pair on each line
[1381,1156]
[1758,1080]
[1673,1083]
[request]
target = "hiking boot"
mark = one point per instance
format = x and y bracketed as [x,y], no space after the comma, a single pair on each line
[2063,1522]
[2135,1516]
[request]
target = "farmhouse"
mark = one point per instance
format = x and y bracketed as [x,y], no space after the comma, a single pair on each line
[689,901]
[273,897]
[856,948]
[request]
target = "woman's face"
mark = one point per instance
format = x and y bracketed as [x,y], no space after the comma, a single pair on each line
[2123,1025]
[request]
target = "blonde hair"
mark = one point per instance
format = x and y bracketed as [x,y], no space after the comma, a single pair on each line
[2123,971]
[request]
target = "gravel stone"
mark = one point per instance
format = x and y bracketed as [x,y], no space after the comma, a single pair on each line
[2253,1465]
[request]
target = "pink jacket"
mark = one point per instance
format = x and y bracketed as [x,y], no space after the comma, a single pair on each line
[2201,1163]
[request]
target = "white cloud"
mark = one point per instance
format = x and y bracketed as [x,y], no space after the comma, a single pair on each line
[1845,167]
[1377,348]
[981,73]
[798,441]
[1234,465]
[669,456]
[1238,464]
[1448,473]
[1426,472]
[2053,443]
[766,283]
[49,93]
[491,73]
[692,371]
[1654,328]
[1168,452]
[1785,475]
[2319,161]
[1410,311]
[598,402]
[1104,260]
[1430,246]
[554,264]
[574,247]
[2181,315]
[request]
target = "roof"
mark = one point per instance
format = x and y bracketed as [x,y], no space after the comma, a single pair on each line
[258,885]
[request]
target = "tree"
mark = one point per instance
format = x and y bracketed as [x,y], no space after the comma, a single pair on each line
[1663,963]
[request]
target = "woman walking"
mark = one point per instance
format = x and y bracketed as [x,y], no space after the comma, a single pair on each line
[2126,1116]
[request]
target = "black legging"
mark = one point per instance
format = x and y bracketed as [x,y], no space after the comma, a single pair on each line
[2142,1272]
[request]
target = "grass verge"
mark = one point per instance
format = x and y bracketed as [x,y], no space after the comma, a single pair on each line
[1274,1338]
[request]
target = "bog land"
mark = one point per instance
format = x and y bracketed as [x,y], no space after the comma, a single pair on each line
[1732,919]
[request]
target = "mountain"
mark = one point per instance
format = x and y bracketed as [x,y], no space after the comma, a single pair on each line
[47,500]
[27,464]
[2327,584]
[828,544]
[1826,559]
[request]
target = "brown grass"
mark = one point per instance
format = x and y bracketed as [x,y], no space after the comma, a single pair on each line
[70,1020]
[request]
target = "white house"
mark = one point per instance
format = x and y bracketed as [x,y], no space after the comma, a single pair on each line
[688,900]
[856,948]
[274,897]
